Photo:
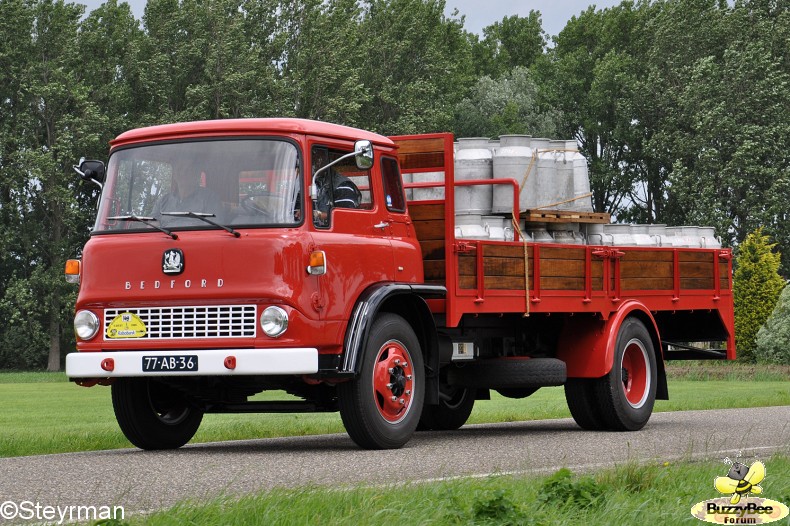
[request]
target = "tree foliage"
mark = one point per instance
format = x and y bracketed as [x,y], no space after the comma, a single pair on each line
[506,105]
[756,288]
[773,338]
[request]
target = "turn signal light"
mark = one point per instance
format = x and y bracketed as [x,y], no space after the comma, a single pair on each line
[73,271]
[317,265]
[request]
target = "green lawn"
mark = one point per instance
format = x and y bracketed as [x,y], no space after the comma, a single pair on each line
[624,495]
[44,413]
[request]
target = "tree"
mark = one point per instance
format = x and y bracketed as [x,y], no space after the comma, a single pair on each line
[55,121]
[773,339]
[728,137]
[756,288]
[507,105]
[590,76]
[417,66]
[324,61]
[514,42]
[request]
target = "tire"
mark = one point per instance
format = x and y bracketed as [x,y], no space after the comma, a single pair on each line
[509,373]
[382,406]
[153,415]
[455,406]
[627,394]
[582,401]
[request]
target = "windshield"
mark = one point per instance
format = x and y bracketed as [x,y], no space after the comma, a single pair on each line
[251,182]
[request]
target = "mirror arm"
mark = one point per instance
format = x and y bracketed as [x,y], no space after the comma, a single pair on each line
[313,188]
[87,177]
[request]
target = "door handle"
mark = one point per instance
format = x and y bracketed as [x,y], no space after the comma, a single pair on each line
[383,224]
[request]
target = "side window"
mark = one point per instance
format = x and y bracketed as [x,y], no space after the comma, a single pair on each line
[341,186]
[393,186]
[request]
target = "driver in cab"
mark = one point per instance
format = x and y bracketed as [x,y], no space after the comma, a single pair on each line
[334,190]
[187,195]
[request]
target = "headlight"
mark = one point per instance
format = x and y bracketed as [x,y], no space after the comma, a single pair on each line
[274,321]
[86,324]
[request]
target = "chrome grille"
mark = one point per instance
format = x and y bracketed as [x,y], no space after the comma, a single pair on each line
[216,321]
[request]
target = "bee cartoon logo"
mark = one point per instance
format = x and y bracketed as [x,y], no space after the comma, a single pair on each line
[741,480]
[739,506]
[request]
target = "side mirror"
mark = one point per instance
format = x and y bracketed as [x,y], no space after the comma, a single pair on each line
[363,154]
[92,171]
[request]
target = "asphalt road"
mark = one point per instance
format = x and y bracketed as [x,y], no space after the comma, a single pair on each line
[139,480]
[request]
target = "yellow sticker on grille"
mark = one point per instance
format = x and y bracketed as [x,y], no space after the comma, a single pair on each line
[126,325]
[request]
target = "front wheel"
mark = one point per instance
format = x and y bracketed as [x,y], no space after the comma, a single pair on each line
[381,407]
[153,415]
[626,395]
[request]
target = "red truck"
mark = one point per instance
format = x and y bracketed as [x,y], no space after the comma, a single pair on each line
[216,270]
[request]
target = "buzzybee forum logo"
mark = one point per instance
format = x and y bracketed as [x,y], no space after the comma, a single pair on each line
[739,506]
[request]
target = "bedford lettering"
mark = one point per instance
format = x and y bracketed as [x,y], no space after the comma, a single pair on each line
[204,284]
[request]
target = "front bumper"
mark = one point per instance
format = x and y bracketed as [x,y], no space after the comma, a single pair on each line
[212,362]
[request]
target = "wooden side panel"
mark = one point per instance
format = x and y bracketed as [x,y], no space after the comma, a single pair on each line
[696,270]
[432,230]
[425,212]
[415,161]
[420,145]
[724,281]
[647,270]
[421,153]
[655,270]
[428,223]
[561,268]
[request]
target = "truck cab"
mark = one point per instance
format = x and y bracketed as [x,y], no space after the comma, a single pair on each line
[222,263]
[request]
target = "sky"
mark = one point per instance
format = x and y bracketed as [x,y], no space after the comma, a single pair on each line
[479,14]
[554,13]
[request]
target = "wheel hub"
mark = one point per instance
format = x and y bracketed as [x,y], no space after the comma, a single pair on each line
[393,383]
[635,373]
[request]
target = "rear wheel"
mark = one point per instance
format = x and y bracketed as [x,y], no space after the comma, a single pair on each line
[582,401]
[381,407]
[627,394]
[455,406]
[153,415]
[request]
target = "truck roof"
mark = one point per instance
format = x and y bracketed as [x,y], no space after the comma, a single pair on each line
[246,127]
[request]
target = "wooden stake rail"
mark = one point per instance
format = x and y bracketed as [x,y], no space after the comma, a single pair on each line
[566,216]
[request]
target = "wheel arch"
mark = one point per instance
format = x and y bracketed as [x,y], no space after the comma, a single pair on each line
[587,344]
[408,301]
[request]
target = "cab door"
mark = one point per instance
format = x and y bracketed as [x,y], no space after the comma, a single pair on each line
[407,257]
[355,241]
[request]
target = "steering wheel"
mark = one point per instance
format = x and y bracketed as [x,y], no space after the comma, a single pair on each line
[250,205]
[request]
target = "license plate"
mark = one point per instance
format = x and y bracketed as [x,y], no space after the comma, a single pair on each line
[170,363]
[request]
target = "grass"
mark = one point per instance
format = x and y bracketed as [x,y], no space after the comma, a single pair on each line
[44,413]
[628,494]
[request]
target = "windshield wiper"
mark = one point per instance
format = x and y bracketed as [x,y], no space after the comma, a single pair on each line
[144,220]
[203,217]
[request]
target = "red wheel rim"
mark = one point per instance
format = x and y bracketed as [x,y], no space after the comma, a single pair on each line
[393,382]
[635,373]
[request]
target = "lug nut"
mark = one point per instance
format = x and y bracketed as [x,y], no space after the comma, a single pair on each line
[389,386]
[402,401]
[397,362]
[408,377]
[394,398]
[408,391]
[391,370]
[405,364]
